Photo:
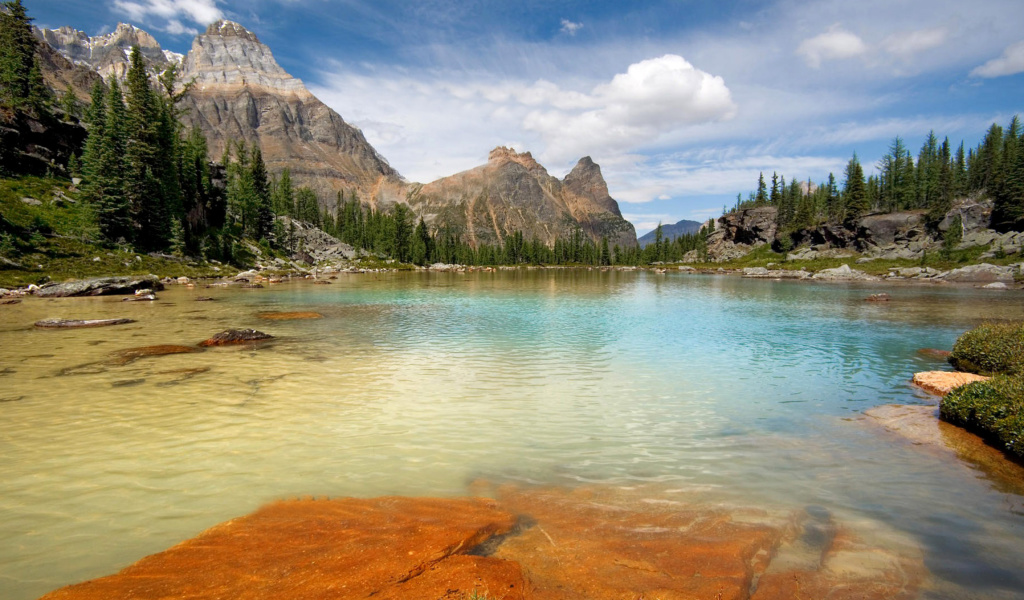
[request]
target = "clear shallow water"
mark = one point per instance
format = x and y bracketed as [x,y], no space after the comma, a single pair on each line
[740,391]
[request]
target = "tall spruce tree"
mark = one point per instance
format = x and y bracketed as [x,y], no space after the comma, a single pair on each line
[21,81]
[855,197]
[108,185]
[148,159]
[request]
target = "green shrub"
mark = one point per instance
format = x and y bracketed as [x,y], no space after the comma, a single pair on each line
[989,349]
[993,409]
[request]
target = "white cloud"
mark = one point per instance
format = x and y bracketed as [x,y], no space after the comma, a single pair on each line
[651,98]
[202,12]
[1010,63]
[906,44]
[836,43]
[570,28]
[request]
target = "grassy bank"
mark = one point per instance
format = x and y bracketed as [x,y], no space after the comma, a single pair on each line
[53,236]
[764,256]
[993,409]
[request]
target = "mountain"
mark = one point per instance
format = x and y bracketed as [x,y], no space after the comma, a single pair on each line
[240,92]
[108,54]
[513,192]
[671,232]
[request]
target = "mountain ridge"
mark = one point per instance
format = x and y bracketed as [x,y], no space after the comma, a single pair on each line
[240,92]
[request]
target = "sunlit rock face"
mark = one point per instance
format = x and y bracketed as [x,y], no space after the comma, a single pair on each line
[513,192]
[242,94]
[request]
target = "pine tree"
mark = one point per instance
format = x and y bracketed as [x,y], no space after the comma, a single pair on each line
[762,192]
[265,217]
[69,104]
[855,197]
[108,186]
[21,81]
[95,120]
[146,164]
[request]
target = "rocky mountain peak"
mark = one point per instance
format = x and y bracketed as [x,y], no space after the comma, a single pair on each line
[586,180]
[502,154]
[225,28]
[230,54]
[108,54]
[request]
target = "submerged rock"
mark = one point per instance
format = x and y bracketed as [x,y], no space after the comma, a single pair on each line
[102,286]
[76,323]
[935,354]
[236,336]
[140,298]
[599,543]
[289,316]
[124,357]
[943,382]
[350,548]
[883,297]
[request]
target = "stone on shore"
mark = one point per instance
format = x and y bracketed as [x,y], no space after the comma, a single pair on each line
[80,323]
[236,336]
[943,382]
[102,286]
[843,273]
[981,273]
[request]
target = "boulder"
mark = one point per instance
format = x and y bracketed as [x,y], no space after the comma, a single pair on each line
[981,273]
[843,273]
[975,214]
[882,230]
[943,382]
[883,297]
[738,232]
[996,285]
[102,286]
[236,336]
[80,323]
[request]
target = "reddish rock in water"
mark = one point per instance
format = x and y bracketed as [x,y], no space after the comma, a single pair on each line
[388,548]
[289,316]
[597,543]
[935,354]
[236,336]
[943,382]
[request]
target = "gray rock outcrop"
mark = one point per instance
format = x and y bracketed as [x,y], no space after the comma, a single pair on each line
[737,233]
[843,273]
[102,286]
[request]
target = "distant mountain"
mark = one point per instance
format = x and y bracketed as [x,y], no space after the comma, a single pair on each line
[671,232]
[242,93]
[513,192]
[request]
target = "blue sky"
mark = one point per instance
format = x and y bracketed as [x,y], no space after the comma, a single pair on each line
[681,102]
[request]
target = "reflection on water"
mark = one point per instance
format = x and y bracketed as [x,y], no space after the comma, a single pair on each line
[418,384]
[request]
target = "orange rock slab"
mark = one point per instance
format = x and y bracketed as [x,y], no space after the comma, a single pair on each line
[943,382]
[315,550]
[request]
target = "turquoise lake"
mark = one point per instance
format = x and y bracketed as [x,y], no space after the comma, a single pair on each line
[736,391]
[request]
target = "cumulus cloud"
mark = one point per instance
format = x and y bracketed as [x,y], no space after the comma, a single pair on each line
[906,44]
[171,12]
[652,97]
[1010,63]
[570,27]
[836,43]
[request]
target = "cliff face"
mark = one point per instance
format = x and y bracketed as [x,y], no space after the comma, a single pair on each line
[512,192]
[241,93]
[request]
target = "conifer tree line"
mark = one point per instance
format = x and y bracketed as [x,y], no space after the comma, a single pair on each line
[939,175]
[150,184]
[21,80]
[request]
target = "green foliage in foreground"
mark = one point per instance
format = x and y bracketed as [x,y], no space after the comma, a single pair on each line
[993,409]
[992,348]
